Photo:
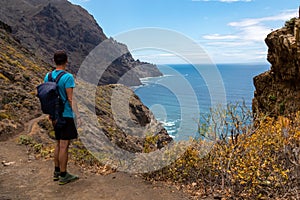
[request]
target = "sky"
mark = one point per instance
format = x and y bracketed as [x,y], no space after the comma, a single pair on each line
[229,31]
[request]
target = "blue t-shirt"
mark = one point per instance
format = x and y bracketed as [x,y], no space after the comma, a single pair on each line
[66,81]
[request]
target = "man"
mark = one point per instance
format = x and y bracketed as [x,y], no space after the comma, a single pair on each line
[68,132]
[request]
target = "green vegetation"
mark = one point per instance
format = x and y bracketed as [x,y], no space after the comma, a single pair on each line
[272,98]
[281,108]
[290,24]
[34,146]
[25,140]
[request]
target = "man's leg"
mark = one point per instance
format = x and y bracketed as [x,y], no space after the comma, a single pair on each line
[56,154]
[63,155]
[56,162]
[65,177]
[68,133]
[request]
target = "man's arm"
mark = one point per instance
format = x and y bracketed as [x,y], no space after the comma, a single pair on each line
[72,101]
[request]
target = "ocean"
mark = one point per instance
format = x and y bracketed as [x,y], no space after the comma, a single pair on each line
[184,92]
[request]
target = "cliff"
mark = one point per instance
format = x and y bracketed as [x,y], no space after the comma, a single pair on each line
[21,71]
[42,26]
[278,90]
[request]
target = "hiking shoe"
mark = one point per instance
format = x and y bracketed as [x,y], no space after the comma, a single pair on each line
[56,176]
[67,179]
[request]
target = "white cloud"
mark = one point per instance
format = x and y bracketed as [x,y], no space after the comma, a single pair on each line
[256,29]
[225,1]
[229,44]
[255,33]
[235,0]
[220,37]
[280,17]
[161,57]
[247,41]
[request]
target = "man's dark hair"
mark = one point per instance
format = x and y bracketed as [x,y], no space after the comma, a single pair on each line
[60,57]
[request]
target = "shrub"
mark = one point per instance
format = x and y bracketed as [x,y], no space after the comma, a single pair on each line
[246,161]
[25,140]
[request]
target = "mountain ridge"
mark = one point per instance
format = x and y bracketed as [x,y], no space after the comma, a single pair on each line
[47,25]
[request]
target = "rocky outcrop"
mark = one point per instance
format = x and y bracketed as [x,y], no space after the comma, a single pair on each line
[278,90]
[127,122]
[43,26]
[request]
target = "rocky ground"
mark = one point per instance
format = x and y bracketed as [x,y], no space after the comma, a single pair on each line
[23,176]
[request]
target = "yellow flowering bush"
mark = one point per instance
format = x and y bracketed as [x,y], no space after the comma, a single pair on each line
[247,161]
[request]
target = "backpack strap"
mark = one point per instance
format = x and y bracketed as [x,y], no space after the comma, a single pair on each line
[50,79]
[59,76]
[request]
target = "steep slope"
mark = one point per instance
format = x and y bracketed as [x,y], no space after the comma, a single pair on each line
[21,72]
[278,90]
[43,26]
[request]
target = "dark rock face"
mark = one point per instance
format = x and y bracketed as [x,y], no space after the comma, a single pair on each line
[126,121]
[5,27]
[47,25]
[278,90]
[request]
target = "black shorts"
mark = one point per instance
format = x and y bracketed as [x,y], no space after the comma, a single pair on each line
[68,132]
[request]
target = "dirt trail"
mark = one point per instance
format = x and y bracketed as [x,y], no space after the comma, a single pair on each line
[24,177]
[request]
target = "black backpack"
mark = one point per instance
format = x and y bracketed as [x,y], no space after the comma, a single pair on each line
[48,94]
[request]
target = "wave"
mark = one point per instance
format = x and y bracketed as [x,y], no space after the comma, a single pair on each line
[146,81]
[169,124]
[171,127]
[150,79]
